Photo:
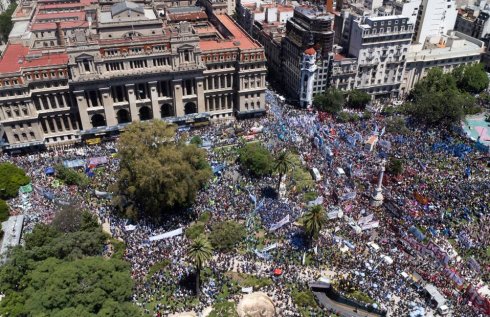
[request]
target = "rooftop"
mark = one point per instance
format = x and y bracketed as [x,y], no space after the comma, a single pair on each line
[313,13]
[16,58]
[239,38]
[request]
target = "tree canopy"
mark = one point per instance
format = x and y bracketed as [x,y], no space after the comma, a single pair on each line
[6,21]
[256,159]
[63,274]
[157,173]
[471,78]
[313,221]
[226,235]
[436,99]
[11,178]
[332,101]
[4,210]
[358,99]
[71,176]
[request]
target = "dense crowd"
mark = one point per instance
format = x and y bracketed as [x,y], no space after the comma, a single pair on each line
[443,194]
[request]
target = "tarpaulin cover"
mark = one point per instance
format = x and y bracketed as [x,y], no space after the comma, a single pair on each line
[26,188]
[97,160]
[74,163]
[49,170]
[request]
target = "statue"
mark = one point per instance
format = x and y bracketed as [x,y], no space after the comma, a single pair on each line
[377,198]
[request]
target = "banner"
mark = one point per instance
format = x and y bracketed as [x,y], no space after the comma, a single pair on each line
[129,227]
[279,224]
[166,235]
[480,302]
[247,290]
[366,219]
[348,196]
[431,249]
[317,201]
[455,277]
[270,247]
[26,188]
[101,194]
[97,160]
[74,163]
[370,225]
[473,264]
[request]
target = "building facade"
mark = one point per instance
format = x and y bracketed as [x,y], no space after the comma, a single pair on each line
[380,45]
[120,63]
[435,17]
[307,28]
[445,52]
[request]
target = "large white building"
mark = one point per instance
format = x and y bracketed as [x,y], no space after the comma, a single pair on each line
[445,52]
[380,45]
[408,8]
[435,17]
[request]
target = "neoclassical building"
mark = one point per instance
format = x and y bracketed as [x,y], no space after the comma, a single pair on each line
[80,68]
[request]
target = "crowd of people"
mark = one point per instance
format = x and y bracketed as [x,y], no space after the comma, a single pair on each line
[442,196]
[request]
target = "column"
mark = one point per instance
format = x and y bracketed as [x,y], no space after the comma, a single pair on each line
[82,109]
[154,100]
[201,102]
[62,123]
[65,101]
[107,103]
[56,101]
[177,97]
[48,101]
[132,103]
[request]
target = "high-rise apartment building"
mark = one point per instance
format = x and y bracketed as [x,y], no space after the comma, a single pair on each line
[380,45]
[308,28]
[435,17]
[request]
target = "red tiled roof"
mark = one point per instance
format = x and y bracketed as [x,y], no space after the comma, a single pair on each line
[310,51]
[61,15]
[63,25]
[61,6]
[14,53]
[240,38]
[338,57]
[188,16]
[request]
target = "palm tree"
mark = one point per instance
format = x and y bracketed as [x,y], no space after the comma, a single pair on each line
[313,222]
[200,251]
[282,165]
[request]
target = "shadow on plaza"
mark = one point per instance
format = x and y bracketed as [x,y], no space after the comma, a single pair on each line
[332,300]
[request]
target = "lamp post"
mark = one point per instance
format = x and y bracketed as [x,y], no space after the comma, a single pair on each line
[377,198]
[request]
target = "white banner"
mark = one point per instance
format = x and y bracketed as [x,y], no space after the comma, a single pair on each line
[366,219]
[166,235]
[281,223]
[247,290]
[370,225]
[270,247]
[129,227]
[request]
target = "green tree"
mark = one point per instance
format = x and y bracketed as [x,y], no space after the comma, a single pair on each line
[6,22]
[436,100]
[200,251]
[196,140]
[358,99]
[63,274]
[4,210]
[82,287]
[11,178]
[225,235]
[395,166]
[256,159]
[471,78]
[332,101]
[70,176]
[313,222]
[282,165]
[157,174]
